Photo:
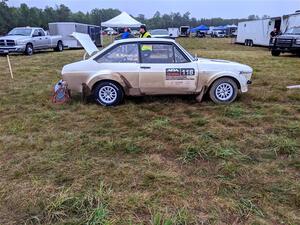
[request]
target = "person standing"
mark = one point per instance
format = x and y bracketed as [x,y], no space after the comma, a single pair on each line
[273,35]
[126,33]
[144,33]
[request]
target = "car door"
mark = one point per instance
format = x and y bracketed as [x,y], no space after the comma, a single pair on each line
[45,40]
[37,39]
[165,69]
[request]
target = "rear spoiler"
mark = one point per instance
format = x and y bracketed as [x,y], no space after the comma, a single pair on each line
[86,42]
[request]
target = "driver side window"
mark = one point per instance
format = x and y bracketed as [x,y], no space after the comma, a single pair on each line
[35,33]
[124,53]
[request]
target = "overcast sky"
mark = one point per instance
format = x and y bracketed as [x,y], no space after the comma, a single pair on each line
[197,8]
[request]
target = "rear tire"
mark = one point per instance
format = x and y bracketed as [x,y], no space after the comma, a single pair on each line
[223,91]
[275,53]
[250,43]
[59,47]
[29,49]
[108,93]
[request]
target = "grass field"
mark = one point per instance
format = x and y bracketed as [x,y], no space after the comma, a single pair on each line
[152,160]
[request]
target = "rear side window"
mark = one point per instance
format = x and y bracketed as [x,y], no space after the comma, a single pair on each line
[157,53]
[179,57]
[124,53]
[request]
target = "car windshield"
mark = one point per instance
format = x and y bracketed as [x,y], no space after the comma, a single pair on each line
[159,32]
[187,53]
[21,31]
[294,30]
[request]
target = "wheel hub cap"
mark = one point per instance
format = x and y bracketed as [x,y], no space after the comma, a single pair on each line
[107,94]
[224,91]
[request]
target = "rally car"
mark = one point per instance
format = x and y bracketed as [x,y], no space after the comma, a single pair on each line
[153,66]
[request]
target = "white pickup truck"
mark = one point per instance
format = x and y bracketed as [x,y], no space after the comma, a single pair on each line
[29,39]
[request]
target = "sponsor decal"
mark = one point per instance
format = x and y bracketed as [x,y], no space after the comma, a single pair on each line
[180,74]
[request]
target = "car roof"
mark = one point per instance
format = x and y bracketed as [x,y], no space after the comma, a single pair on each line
[29,27]
[144,40]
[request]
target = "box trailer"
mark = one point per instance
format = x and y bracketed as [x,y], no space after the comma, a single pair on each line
[257,32]
[173,32]
[184,31]
[65,29]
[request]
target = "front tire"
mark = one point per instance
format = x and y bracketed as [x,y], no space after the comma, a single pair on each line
[275,53]
[108,93]
[29,49]
[223,91]
[59,47]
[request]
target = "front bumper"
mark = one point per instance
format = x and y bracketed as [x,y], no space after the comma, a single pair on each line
[12,49]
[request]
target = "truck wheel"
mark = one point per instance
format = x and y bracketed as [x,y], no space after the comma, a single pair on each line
[250,43]
[223,91]
[59,47]
[29,49]
[246,42]
[108,93]
[275,53]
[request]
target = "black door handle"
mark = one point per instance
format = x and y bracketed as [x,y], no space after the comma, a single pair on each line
[145,67]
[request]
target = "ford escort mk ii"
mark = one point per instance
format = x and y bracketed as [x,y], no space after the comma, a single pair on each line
[154,66]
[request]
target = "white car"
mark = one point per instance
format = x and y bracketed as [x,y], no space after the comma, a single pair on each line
[153,66]
[160,33]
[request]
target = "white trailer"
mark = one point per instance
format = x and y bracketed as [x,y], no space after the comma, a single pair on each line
[184,31]
[257,32]
[173,32]
[65,29]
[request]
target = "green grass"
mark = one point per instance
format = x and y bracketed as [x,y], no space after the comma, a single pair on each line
[153,160]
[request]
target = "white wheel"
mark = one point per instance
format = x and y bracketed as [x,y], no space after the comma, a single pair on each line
[107,94]
[223,91]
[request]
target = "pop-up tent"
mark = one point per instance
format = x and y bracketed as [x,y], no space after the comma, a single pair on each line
[122,20]
[199,28]
[220,28]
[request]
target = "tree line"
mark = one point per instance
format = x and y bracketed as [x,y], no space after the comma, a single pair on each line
[23,15]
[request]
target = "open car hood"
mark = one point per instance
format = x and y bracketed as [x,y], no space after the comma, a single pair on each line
[86,42]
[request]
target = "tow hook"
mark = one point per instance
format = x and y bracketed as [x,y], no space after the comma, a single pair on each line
[249,82]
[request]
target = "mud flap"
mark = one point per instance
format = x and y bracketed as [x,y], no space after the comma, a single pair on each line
[199,97]
[86,93]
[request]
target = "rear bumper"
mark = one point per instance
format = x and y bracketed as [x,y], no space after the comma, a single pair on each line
[12,49]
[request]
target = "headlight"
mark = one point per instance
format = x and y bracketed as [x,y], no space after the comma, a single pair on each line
[246,74]
[21,42]
[297,41]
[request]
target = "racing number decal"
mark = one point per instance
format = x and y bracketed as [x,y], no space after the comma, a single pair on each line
[180,74]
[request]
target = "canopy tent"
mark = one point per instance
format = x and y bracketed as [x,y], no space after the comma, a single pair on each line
[122,20]
[220,28]
[199,28]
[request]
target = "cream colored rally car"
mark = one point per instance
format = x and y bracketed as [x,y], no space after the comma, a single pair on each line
[153,66]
